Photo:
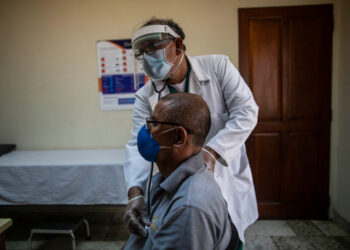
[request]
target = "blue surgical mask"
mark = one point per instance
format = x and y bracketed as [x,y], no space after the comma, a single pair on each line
[147,146]
[155,65]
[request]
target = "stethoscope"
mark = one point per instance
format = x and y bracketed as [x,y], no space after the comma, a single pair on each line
[151,173]
[159,92]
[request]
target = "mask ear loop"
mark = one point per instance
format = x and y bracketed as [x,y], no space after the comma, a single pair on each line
[178,65]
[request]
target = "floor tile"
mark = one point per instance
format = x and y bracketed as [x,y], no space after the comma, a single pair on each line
[99,245]
[329,228]
[270,228]
[292,243]
[343,240]
[304,228]
[255,229]
[89,245]
[277,228]
[37,245]
[111,245]
[260,243]
[325,243]
[60,243]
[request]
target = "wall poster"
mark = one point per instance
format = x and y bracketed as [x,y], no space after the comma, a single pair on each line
[116,68]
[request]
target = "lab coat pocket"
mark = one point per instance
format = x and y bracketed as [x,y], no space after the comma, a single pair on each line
[243,181]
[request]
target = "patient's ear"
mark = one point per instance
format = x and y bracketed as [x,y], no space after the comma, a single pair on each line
[181,137]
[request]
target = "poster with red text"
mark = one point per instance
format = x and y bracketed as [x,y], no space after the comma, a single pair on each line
[116,68]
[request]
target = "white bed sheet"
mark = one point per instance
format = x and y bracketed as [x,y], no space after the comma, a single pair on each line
[63,177]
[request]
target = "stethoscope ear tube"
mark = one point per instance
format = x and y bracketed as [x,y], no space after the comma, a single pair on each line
[149,193]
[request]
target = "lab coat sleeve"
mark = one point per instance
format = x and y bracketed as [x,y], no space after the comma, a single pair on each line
[241,109]
[136,169]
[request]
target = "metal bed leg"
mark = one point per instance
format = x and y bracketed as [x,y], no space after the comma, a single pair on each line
[73,240]
[30,240]
[88,237]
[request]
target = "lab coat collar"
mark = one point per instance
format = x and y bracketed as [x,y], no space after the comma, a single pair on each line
[185,170]
[199,73]
[198,77]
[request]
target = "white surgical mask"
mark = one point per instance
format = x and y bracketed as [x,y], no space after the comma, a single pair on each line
[155,65]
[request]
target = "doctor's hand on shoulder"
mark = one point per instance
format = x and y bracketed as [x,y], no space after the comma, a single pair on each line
[210,156]
[135,216]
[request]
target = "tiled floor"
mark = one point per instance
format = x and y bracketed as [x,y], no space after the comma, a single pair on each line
[296,234]
[264,234]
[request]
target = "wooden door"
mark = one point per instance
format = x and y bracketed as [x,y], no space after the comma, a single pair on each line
[285,56]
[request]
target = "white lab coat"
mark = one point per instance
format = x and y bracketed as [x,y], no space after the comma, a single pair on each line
[233,117]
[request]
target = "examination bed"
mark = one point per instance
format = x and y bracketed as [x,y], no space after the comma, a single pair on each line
[63,177]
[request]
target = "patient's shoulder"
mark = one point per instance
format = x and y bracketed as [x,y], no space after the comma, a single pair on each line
[201,191]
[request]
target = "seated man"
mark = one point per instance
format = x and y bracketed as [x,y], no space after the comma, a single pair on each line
[187,210]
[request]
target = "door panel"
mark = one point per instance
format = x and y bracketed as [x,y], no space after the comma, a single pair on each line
[301,165]
[304,67]
[285,57]
[267,167]
[265,56]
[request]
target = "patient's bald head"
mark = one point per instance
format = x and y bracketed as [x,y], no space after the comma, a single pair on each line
[189,110]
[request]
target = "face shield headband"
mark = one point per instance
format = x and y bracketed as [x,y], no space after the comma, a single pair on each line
[151,32]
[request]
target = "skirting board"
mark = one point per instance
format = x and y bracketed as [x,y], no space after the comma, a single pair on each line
[339,220]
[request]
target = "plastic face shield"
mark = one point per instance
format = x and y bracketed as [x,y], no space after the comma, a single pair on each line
[144,34]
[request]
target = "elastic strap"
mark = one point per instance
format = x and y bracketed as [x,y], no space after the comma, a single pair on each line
[209,153]
[173,90]
[155,28]
[135,198]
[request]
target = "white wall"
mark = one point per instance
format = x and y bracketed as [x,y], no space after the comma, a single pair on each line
[48,71]
[340,151]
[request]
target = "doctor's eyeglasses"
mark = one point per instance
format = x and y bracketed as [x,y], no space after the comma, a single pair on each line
[150,48]
[150,123]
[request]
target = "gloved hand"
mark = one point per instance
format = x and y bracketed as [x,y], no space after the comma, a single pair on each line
[209,156]
[135,216]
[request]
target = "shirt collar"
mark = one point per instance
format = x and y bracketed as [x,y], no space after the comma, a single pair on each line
[185,170]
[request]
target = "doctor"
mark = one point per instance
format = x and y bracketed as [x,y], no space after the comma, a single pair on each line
[158,44]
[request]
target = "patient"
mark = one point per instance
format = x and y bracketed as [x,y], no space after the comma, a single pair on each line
[187,208]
